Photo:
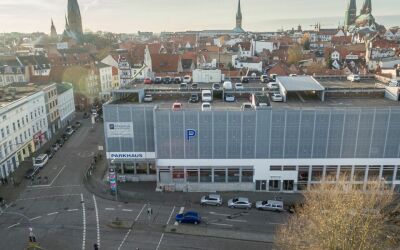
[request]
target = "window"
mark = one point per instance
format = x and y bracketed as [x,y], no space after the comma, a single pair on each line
[233,175]
[247,175]
[274,185]
[345,173]
[2,133]
[205,175]
[288,185]
[14,128]
[8,130]
[303,173]
[219,175]
[316,174]
[152,168]
[373,173]
[359,173]
[178,175]
[289,168]
[192,175]
[330,173]
[275,168]
[387,173]
[141,168]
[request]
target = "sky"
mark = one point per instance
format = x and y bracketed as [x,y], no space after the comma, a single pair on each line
[130,16]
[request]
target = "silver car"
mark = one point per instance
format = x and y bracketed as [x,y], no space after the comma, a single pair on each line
[239,202]
[211,199]
[270,205]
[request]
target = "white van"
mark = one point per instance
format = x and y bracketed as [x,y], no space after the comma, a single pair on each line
[227,85]
[206,95]
[40,161]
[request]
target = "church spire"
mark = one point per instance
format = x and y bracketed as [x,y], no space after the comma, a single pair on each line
[74,17]
[366,8]
[53,31]
[239,17]
[351,14]
[66,23]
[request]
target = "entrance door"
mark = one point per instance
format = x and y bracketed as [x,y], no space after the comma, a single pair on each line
[261,185]
[165,176]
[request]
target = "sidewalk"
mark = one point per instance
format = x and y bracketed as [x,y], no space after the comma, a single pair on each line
[145,191]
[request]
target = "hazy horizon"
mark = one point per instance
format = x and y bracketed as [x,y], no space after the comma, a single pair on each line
[126,16]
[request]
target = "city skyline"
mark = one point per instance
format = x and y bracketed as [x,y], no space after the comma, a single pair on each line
[151,15]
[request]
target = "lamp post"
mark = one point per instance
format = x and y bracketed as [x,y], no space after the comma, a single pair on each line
[113,178]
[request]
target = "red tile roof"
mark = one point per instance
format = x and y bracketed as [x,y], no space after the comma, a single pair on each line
[165,62]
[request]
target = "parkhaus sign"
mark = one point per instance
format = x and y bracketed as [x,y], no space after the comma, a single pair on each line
[130,155]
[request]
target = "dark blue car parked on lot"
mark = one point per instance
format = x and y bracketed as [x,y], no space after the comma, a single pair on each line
[188,217]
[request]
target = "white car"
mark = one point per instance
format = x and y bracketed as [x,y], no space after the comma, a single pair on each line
[69,131]
[229,98]
[187,79]
[272,86]
[353,78]
[394,83]
[211,199]
[239,202]
[40,161]
[206,95]
[239,86]
[270,205]
[216,86]
[277,97]
[227,85]
[205,106]
[148,98]
[247,106]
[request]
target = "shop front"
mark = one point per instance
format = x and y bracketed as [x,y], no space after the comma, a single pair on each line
[133,167]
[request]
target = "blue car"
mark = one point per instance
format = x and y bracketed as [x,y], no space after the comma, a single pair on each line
[188,217]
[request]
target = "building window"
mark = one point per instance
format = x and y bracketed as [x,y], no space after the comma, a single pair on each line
[398,173]
[316,174]
[274,185]
[275,168]
[288,185]
[359,173]
[345,173]
[247,175]
[141,168]
[192,175]
[289,168]
[373,173]
[129,168]
[303,173]
[233,175]
[330,173]
[387,173]
[152,168]
[219,175]
[178,175]
[205,175]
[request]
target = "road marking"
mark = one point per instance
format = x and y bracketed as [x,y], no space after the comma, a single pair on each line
[72,210]
[13,226]
[214,213]
[123,241]
[45,197]
[57,175]
[84,223]
[110,208]
[244,221]
[48,186]
[169,218]
[180,212]
[159,243]
[221,224]
[127,210]
[35,218]
[52,213]
[97,221]
[137,217]
[275,223]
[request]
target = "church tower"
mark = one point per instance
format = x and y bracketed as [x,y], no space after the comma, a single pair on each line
[351,14]
[53,31]
[74,17]
[366,8]
[239,17]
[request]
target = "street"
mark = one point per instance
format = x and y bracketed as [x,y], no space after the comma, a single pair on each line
[64,215]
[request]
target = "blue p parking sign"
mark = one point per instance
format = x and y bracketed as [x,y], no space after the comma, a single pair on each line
[190,133]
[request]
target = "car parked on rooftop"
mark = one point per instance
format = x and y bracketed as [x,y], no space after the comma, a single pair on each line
[176,106]
[177,80]
[276,97]
[148,98]
[147,80]
[216,86]
[158,80]
[264,79]
[187,79]
[354,78]
[244,79]
[167,80]
[229,98]
[205,106]
[194,98]
[239,86]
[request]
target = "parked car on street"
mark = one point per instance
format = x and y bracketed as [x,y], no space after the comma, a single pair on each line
[50,153]
[78,124]
[69,131]
[31,173]
[41,160]
[188,217]
[211,199]
[239,202]
[60,142]
[270,205]
[55,147]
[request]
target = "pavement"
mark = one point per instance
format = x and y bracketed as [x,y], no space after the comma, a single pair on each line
[72,211]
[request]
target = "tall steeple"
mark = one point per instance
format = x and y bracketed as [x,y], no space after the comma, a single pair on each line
[66,23]
[53,31]
[74,17]
[351,13]
[366,8]
[239,17]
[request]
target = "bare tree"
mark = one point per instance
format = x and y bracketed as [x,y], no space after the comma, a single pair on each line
[336,216]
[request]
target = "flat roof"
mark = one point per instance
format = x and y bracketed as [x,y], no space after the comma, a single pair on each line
[299,83]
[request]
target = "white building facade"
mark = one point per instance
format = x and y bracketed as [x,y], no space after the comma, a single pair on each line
[66,103]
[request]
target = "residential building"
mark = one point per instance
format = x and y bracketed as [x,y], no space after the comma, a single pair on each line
[52,111]
[66,103]
[11,71]
[106,80]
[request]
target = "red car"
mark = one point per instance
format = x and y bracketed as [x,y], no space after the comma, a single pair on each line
[147,81]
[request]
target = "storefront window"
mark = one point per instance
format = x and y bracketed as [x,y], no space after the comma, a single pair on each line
[141,168]
[247,175]
[330,173]
[387,173]
[288,185]
[274,185]
[373,173]
[359,173]
[219,175]
[178,174]
[317,172]
[192,175]
[129,168]
[152,168]
[233,175]
[303,173]
[205,175]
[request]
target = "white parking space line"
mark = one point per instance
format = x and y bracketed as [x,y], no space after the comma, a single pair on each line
[127,210]
[109,208]
[97,220]
[275,223]
[46,197]
[169,218]
[214,213]
[84,223]
[221,224]
[234,220]
[52,213]
[180,212]
[159,243]
[13,226]
[137,217]
[38,217]
[72,210]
